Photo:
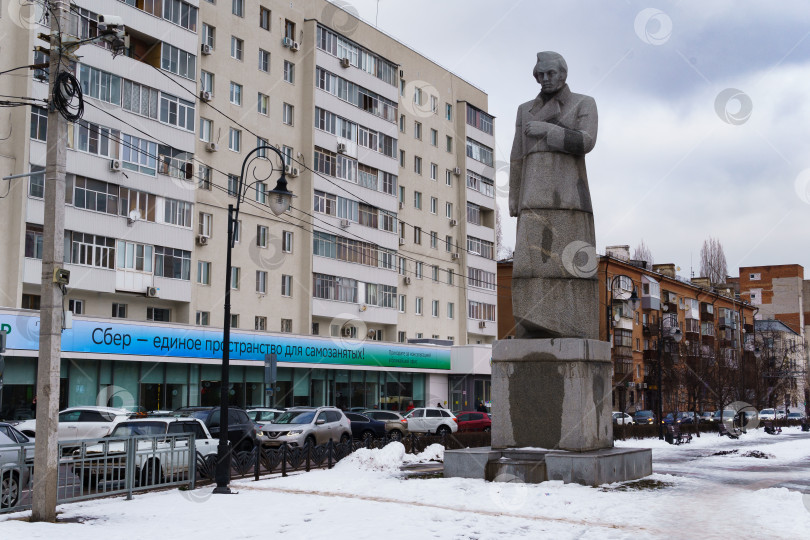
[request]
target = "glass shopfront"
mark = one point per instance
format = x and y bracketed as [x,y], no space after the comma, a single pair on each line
[168,386]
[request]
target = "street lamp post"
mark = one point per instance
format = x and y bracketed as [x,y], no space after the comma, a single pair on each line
[675,335]
[280,198]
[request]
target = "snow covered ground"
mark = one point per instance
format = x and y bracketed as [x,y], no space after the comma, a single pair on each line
[694,494]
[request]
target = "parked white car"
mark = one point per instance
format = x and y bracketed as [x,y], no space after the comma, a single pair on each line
[432,420]
[767,414]
[81,423]
[622,418]
[155,462]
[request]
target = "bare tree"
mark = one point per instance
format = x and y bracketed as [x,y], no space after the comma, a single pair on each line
[713,261]
[643,253]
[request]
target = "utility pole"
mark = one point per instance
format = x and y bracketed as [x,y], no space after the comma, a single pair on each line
[46,458]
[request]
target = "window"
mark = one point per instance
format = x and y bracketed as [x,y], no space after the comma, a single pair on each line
[338,46]
[206,82]
[178,61]
[236,94]
[434,171]
[138,154]
[358,96]
[180,13]
[402,123]
[264,61]
[177,212]
[334,288]
[417,235]
[287,114]
[417,165]
[483,248]
[235,277]
[176,112]
[417,95]
[263,104]
[402,158]
[286,285]
[479,152]
[237,47]
[473,214]
[401,337]
[260,323]
[448,177]
[287,152]
[448,111]
[449,143]
[448,243]
[434,240]
[402,194]
[238,7]
[204,178]
[261,236]
[434,273]
[235,140]
[480,278]
[419,270]
[418,306]
[289,29]
[434,104]
[33,241]
[417,130]
[401,303]
[209,35]
[95,139]
[203,273]
[479,119]
[434,308]
[434,204]
[205,221]
[481,311]
[261,282]
[289,72]
[141,99]
[287,242]
[172,263]
[451,307]
[158,314]
[234,320]
[286,326]
[417,200]
[233,185]
[119,311]
[89,250]
[100,84]
[480,183]
[434,137]
[206,130]
[264,18]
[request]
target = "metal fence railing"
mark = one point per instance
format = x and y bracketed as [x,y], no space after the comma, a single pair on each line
[16,466]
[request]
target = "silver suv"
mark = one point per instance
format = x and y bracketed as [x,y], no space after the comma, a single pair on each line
[307,425]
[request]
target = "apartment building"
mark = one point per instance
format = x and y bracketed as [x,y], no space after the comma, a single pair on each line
[712,325]
[390,237]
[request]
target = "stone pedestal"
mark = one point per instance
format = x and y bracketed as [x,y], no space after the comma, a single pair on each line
[551,418]
[552,393]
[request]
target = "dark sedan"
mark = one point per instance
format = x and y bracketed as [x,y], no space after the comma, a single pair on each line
[644,417]
[365,428]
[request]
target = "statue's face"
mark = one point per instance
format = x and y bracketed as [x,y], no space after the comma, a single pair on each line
[550,77]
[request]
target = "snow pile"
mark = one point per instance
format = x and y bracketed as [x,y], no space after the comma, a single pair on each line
[387,459]
[434,452]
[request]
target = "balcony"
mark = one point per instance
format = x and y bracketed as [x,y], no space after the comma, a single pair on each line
[622,368]
[650,355]
[621,352]
[706,312]
[691,326]
[669,302]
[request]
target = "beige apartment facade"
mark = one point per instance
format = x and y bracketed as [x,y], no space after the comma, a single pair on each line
[391,236]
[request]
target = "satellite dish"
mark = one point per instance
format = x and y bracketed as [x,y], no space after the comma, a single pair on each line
[617,317]
[134,216]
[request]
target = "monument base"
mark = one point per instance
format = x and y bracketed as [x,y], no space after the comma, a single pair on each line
[532,466]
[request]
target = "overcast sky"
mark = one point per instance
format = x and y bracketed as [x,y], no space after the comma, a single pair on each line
[704,110]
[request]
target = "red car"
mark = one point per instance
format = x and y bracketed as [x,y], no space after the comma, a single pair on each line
[474,421]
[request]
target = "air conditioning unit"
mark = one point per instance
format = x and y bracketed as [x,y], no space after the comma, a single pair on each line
[344,223]
[453,222]
[341,148]
[206,49]
[345,62]
[294,172]
[347,331]
[401,241]
[212,147]
[205,95]
[202,240]
[457,171]
[454,256]
[294,46]
[286,42]
[152,292]
[482,324]
[115,165]
[406,280]
[401,205]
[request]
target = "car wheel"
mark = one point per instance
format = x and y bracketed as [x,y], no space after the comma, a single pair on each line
[487,429]
[395,435]
[367,436]
[9,490]
[344,438]
[151,474]
[443,430]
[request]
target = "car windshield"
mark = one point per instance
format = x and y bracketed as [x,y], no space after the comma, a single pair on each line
[126,429]
[264,416]
[644,414]
[767,411]
[295,417]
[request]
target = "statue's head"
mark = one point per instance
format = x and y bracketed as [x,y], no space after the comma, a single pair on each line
[550,71]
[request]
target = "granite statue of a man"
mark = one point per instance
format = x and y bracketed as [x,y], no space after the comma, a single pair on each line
[554,287]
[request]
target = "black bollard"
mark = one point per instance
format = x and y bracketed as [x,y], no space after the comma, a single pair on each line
[309,454]
[257,452]
[284,459]
[329,454]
